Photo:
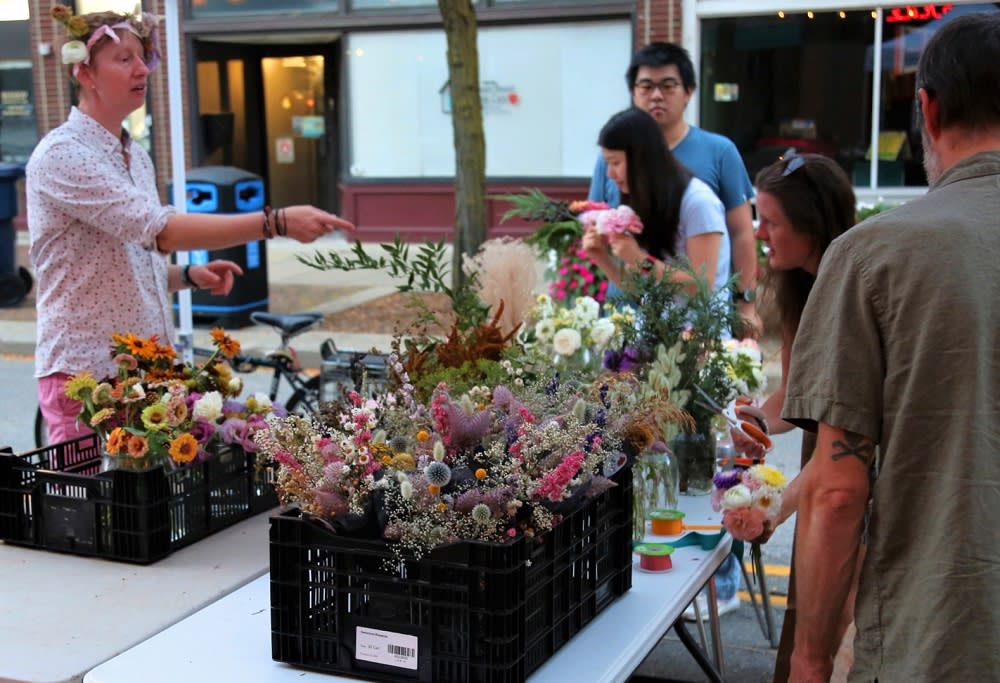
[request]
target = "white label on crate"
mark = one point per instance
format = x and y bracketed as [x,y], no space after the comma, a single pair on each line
[385,647]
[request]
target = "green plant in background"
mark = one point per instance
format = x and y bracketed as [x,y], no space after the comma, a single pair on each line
[425,271]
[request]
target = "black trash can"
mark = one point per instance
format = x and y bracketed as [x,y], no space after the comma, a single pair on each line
[225,189]
[15,283]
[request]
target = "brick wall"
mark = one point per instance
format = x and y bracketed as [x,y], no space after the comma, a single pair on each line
[664,21]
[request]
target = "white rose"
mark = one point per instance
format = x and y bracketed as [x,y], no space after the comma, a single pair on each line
[601,333]
[235,386]
[738,496]
[74,52]
[208,407]
[566,341]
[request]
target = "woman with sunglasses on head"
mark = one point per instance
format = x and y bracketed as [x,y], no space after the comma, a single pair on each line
[100,236]
[804,202]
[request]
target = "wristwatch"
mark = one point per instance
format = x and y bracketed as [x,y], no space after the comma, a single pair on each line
[745,296]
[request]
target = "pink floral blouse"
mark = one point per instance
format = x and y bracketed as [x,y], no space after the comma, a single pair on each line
[93,215]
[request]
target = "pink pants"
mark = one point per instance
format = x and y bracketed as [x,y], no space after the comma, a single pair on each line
[59,410]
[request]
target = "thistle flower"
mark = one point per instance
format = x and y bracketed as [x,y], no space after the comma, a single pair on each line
[481,513]
[437,473]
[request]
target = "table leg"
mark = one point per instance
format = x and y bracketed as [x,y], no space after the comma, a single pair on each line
[765,598]
[699,655]
[716,626]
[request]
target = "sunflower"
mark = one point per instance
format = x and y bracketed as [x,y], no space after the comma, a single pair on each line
[184,448]
[143,349]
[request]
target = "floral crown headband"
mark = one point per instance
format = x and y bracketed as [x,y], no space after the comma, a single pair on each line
[77,52]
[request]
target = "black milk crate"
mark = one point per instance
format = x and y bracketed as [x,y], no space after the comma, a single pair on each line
[57,498]
[471,611]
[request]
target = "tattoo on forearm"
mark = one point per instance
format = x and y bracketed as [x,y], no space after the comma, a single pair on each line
[854,445]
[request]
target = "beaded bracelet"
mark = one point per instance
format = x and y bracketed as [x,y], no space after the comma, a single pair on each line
[268,234]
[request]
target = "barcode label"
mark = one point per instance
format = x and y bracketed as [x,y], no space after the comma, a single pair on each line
[386,647]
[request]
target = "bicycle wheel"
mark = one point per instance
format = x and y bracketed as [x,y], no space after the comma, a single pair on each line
[41,429]
[305,401]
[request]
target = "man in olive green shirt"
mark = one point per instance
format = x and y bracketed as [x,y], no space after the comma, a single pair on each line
[899,347]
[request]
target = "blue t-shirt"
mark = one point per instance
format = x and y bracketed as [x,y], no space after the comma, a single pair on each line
[711,157]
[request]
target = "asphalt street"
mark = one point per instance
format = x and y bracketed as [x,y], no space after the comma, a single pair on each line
[748,654]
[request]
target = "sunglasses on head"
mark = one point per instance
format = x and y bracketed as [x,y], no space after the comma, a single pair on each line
[793,162]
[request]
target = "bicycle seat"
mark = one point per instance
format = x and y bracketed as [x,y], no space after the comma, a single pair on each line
[288,323]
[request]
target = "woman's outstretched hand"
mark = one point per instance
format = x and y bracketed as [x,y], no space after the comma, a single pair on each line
[307,223]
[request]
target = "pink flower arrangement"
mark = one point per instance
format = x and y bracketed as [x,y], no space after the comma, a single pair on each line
[617,221]
[748,499]
[578,276]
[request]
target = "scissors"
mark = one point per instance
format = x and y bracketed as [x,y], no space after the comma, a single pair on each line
[729,414]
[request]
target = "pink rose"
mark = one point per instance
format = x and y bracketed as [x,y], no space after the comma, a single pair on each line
[744,524]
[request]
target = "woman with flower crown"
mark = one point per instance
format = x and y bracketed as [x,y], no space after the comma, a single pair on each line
[99,235]
[804,202]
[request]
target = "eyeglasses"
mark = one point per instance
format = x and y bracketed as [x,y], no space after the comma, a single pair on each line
[666,86]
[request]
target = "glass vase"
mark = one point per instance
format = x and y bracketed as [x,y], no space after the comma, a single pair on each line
[579,361]
[695,451]
[655,484]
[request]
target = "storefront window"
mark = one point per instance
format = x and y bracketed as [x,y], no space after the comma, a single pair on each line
[804,80]
[214,8]
[546,92]
[18,134]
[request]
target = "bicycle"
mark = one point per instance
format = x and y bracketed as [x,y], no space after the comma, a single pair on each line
[340,369]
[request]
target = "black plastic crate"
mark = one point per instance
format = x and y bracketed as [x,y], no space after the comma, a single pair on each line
[57,498]
[471,611]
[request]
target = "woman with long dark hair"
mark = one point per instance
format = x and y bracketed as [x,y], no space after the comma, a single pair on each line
[681,216]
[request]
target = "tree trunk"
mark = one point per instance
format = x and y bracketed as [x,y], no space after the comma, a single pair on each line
[467,122]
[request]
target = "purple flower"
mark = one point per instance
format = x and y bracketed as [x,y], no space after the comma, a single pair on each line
[232,429]
[727,479]
[202,430]
[621,361]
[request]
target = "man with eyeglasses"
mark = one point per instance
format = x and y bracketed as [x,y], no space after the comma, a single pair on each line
[899,348]
[661,79]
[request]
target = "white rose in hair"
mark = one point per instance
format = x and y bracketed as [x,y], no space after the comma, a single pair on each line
[74,52]
[566,341]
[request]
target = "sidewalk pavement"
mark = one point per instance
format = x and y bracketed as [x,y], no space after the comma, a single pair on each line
[345,290]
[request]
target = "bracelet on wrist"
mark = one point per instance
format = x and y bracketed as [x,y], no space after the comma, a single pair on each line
[186,277]
[280,222]
[268,233]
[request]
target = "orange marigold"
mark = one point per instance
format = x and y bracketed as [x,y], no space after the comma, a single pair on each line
[116,441]
[227,346]
[184,448]
[137,446]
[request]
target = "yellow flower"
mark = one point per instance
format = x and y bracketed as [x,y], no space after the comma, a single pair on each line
[155,417]
[403,461]
[184,448]
[81,386]
[772,476]
[100,416]
[442,507]
[142,348]
[116,441]
[77,27]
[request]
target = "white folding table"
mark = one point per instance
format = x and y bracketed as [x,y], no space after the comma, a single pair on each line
[230,640]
